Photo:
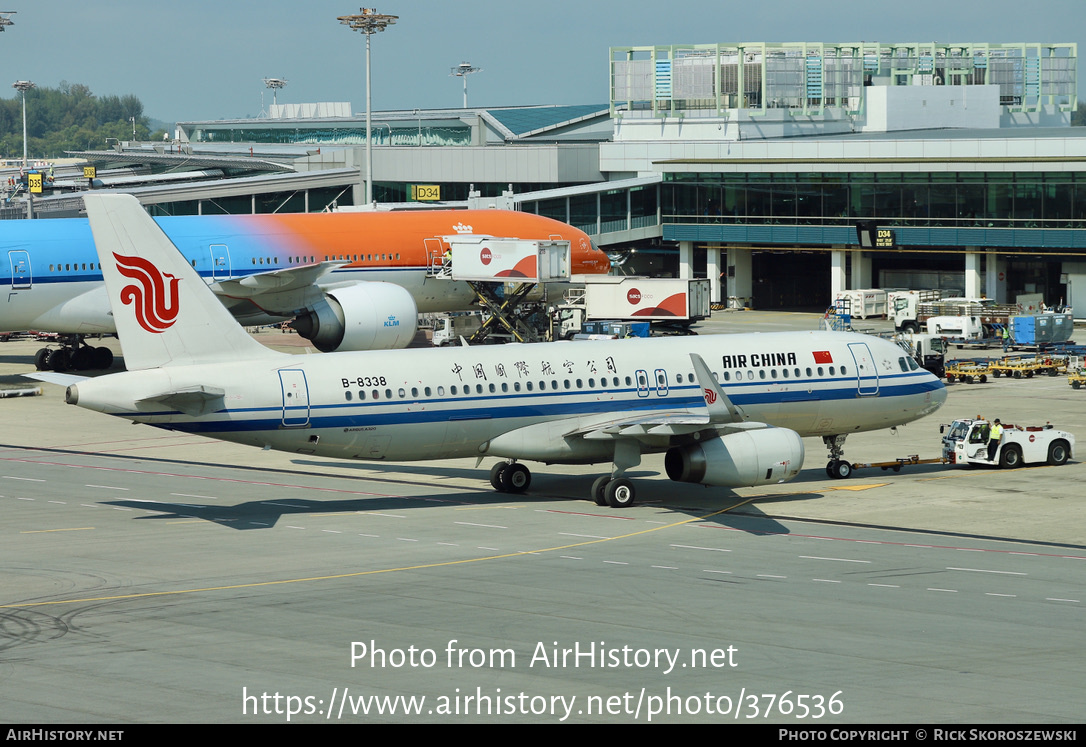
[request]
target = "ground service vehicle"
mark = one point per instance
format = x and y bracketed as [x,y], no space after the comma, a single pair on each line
[449,329]
[670,304]
[966,442]
[929,351]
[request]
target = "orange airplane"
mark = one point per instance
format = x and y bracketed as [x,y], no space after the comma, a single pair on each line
[353,280]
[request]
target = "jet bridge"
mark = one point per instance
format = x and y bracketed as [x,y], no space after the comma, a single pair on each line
[503,272]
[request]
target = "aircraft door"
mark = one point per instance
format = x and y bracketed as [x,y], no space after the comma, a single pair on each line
[867,377]
[21,275]
[295,398]
[220,262]
[661,382]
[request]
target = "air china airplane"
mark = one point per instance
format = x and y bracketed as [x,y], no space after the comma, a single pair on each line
[728,410]
[355,281]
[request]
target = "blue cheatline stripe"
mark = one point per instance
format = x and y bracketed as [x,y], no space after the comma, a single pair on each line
[500,407]
[47,277]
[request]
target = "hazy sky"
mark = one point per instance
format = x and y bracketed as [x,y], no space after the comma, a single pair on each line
[198,59]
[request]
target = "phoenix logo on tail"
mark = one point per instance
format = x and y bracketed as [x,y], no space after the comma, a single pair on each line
[156,306]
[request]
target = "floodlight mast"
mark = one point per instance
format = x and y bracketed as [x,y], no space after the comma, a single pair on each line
[275,84]
[368,21]
[463,70]
[23,86]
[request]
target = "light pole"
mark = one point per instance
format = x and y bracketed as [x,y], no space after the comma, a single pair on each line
[23,86]
[369,22]
[275,84]
[463,70]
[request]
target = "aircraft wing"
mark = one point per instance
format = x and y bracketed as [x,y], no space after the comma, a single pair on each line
[722,416]
[274,281]
[653,429]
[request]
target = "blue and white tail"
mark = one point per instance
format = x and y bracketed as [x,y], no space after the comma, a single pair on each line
[164,311]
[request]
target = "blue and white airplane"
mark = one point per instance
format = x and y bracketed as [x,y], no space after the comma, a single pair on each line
[728,410]
[352,280]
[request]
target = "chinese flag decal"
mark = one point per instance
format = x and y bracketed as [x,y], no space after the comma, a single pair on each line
[823,356]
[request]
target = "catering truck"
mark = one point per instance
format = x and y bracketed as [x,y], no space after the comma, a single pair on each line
[671,305]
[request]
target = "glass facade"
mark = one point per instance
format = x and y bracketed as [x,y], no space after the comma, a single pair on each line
[343,134]
[936,199]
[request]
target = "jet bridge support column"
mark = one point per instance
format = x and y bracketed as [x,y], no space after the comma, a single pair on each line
[686,259]
[712,271]
[972,272]
[861,270]
[740,278]
[995,277]
[838,275]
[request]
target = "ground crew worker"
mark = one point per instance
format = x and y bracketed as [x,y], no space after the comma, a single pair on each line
[1006,339]
[994,435]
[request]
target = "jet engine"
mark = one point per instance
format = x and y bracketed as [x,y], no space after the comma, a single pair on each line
[742,459]
[363,316]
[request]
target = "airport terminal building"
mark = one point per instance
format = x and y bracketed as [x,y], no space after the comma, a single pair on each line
[752,164]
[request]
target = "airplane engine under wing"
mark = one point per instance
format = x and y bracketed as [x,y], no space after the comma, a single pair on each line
[363,316]
[743,459]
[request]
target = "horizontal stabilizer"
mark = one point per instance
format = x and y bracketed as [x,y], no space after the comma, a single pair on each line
[194,401]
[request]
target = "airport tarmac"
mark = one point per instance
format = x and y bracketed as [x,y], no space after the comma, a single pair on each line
[158,577]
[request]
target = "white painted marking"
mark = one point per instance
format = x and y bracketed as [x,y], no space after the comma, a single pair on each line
[985,570]
[840,560]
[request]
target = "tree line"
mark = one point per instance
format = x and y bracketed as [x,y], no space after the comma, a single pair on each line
[68,117]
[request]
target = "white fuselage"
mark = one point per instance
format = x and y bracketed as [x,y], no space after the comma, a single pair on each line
[428,404]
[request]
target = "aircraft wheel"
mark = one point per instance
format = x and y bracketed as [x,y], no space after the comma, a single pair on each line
[842,469]
[620,493]
[496,473]
[1057,453]
[103,358]
[82,359]
[59,359]
[599,487]
[515,478]
[831,468]
[41,360]
[1011,457]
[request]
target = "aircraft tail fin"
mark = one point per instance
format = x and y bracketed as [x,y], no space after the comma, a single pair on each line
[164,311]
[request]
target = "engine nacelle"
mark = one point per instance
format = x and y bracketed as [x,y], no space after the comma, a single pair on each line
[738,460]
[364,316]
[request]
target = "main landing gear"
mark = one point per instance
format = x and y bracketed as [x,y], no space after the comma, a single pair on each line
[612,490]
[838,468]
[76,355]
